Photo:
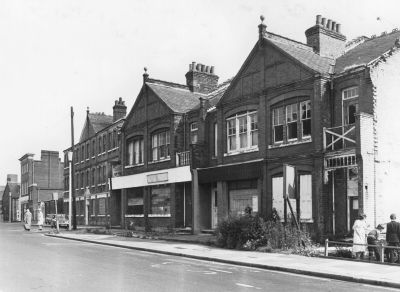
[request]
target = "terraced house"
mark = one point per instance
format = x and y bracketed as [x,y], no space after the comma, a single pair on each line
[164,127]
[94,157]
[194,154]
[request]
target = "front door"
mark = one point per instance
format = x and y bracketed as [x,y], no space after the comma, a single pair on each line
[353,210]
[214,208]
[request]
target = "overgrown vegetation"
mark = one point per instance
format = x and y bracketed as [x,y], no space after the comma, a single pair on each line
[255,233]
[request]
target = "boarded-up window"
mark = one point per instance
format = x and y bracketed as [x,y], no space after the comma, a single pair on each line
[102,206]
[241,199]
[306,197]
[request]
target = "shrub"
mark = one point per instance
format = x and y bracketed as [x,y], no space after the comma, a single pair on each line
[255,233]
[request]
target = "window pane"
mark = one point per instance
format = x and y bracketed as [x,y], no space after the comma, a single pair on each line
[292,130]
[306,124]
[351,114]
[160,201]
[254,138]
[278,133]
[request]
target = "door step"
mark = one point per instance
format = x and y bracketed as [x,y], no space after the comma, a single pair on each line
[208,231]
[187,230]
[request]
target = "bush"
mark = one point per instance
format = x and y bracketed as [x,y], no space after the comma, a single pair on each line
[255,233]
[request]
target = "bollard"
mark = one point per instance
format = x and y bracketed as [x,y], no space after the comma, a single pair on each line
[326,246]
[381,251]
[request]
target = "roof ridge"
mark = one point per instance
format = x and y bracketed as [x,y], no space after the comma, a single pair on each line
[383,34]
[166,83]
[291,40]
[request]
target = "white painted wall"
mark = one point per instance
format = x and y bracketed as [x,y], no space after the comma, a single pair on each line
[386,79]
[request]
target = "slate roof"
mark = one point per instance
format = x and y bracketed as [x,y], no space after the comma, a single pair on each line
[176,96]
[302,53]
[366,52]
[100,121]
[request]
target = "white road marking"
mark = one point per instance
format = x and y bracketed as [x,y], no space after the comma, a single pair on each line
[222,271]
[244,285]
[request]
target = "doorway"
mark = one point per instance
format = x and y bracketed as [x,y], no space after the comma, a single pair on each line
[214,208]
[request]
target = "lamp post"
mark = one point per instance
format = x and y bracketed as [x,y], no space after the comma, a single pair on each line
[70,190]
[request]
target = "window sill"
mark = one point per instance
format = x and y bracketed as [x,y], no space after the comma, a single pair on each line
[280,145]
[159,215]
[249,150]
[134,216]
[101,215]
[161,160]
[134,165]
[93,157]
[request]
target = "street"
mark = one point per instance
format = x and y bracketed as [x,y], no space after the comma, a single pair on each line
[32,261]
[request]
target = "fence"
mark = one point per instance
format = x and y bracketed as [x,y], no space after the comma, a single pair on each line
[381,248]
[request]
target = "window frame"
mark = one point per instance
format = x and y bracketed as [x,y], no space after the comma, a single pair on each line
[194,132]
[131,151]
[234,130]
[156,146]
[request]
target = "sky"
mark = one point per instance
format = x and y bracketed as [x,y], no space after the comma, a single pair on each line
[55,54]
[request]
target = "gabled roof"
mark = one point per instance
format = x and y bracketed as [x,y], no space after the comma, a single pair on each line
[302,53]
[177,97]
[366,52]
[99,121]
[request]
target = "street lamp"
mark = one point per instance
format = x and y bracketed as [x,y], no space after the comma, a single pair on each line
[70,190]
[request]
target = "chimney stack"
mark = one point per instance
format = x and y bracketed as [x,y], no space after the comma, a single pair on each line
[326,38]
[119,109]
[201,78]
[12,178]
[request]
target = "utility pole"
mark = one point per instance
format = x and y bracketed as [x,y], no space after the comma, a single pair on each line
[73,172]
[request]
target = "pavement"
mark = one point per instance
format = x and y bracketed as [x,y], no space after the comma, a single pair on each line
[190,246]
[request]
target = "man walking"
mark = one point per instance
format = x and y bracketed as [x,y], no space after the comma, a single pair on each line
[393,237]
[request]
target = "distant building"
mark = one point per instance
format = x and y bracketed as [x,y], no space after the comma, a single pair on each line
[40,179]
[1,201]
[10,200]
[96,155]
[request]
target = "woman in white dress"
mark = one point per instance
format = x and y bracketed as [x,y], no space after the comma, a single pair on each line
[360,236]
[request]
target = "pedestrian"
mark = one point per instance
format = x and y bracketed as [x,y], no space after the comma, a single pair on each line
[40,218]
[373,239]
[27,219]
[393,237]
[360,237]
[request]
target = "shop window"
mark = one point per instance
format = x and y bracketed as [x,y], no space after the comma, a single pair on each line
[286,122]
[135,151]
[242,132]
[160,143]
[135,202]
[160,201]
[102,206]
[242,196]
[194,132]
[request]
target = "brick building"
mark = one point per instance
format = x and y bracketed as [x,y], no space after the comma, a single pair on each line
[325,107]
[40,179]
[10,199]
[1,201]
[156,139]
[95,156]
[321,107]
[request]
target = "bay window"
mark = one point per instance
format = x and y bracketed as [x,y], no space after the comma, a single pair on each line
[288,126]
[160,145]
[242,132]
[135,151]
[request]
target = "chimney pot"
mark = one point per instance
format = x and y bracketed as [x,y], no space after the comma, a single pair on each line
[323,21]
[212,70]
[338,28]
[333,25]
[207,69]
[193,66]
[318,20]
[190,67]
[328,24]
[198,67]
[203,67]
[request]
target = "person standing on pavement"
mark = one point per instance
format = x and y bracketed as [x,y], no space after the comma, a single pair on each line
[393,237]
[360,236]
[373,239]
[40,219]
[28,219]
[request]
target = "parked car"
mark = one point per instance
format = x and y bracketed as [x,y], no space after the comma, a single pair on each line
[63,220]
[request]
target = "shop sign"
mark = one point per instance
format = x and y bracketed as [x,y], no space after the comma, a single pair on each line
[157,177]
